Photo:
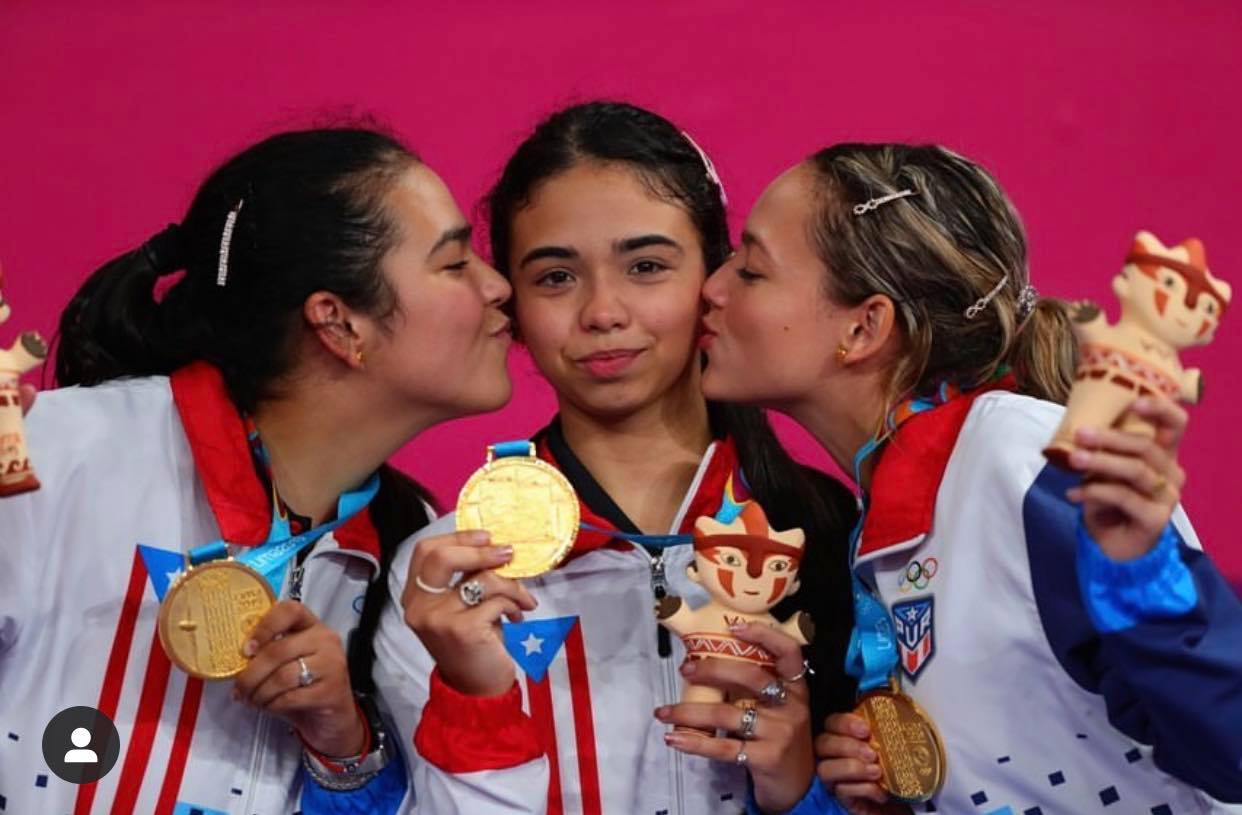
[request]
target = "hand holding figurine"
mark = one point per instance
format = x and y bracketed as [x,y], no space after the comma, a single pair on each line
[744,670]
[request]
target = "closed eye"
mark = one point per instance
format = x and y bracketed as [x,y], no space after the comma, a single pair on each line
[648,267]
[746,275]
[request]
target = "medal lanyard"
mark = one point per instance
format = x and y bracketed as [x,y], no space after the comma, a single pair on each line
[872,653]
[271,558]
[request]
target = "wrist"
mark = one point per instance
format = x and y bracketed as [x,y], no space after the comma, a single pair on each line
[348,742]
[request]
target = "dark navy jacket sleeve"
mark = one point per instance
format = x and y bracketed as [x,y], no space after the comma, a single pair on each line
[1172,680]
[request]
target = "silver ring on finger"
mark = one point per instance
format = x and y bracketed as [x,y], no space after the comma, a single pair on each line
[806,671]
[774,693]
[750,717]
[471,592]
[305,677]
[741,758]
[418,581]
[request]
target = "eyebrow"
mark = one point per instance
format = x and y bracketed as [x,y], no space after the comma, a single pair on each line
[627,245]
[541,252]
[458,234]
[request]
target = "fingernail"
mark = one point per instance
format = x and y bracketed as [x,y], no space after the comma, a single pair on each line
[661,713]
[738,627]
[674,739]
[873,771]
[479,536]
[1087,435]
[688,667]
[503,552]
[870,754]
[1142,405]
[1074,495]
[250,648]
[860,730]
[1080,458]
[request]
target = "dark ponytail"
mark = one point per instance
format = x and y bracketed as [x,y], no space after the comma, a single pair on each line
[792,495]
[310,216]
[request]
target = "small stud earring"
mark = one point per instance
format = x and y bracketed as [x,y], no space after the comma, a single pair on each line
[842,352]
[358,356]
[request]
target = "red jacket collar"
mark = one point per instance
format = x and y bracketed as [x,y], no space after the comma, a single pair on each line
[907,476]
[237,496]
[706,499]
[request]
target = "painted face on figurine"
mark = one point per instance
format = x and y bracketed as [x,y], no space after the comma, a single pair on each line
[1170,291]
[746,565]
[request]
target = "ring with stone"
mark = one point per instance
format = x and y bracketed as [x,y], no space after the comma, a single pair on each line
[471,592]
[741,757]
[774,693]
[806,670]
[305,677]
[750,717]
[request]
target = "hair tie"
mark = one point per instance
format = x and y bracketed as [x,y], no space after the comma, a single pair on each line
[164,251]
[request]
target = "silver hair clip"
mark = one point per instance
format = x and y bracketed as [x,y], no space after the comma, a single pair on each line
[226,240]
[982,303]
[711,168]
[863,209]
[1027,300]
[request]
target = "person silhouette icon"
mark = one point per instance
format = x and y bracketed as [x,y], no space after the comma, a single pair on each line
[80,738]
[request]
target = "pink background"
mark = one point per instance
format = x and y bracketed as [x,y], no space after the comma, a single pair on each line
[1099,118]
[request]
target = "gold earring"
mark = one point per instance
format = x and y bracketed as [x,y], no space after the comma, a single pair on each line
[358,356]
[842,352]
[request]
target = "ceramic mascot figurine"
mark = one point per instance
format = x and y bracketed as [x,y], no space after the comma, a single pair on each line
[16,474]
[1169,301]
[747,567]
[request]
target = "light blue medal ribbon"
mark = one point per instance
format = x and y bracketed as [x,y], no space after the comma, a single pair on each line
[271,558]
[872,654]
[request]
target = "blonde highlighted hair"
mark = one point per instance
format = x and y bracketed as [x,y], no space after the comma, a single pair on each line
[935,253]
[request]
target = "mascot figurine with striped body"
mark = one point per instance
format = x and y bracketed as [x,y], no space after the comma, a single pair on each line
[747,567]
[16,474]
[1169,301]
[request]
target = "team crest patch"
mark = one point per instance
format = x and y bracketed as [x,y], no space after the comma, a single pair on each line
[912,620]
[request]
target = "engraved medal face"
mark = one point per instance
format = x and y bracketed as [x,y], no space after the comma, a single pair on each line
[912,756]
[524,503]
[207,615]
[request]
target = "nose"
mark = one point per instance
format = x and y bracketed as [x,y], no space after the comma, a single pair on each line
[715,289]
[603,309]
[493,286]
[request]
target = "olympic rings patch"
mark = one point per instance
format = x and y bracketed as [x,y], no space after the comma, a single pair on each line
[918,575]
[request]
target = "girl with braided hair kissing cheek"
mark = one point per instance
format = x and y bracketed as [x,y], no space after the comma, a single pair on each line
[328,308]
[1063,630]
[606,220]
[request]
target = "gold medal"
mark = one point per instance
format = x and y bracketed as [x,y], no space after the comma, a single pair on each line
[207,615]
[524,503]
[912,757]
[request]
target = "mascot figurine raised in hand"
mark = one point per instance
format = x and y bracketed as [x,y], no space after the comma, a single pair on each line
[16,474]
[1169,301]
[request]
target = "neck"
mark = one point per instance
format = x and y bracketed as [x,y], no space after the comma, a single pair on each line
[646,459]
[842,425]
[324,438]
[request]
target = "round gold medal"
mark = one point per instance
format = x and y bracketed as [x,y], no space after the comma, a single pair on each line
[912,757]
[207,615]
[524,503]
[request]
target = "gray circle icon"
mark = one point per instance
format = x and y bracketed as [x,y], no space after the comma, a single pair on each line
[80,745]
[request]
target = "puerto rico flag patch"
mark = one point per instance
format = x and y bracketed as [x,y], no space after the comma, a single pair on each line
[913,622]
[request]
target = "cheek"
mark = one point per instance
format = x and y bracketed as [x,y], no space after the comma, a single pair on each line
[726,581]
[1162,301]
[1204,329]
[543,325]
[778,588]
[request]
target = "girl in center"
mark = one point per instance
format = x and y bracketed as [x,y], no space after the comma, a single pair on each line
[607,220]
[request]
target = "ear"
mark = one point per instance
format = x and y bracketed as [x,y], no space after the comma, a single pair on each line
[334,324]
[793,587]
[868,333]
[692,572]
[1121,285]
